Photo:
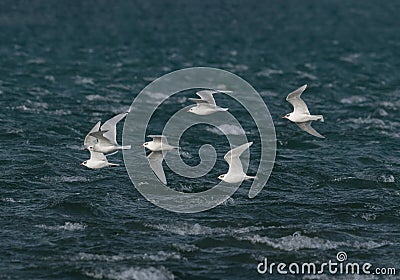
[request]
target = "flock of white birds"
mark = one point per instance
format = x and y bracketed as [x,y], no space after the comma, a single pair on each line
[101,140]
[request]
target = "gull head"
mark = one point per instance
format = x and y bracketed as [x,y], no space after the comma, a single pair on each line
[190,110]
[286,116]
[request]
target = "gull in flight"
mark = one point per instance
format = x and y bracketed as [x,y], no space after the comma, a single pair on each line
[155,158]
[300,115]
[97,160]
[235,173]
[104,139]
[206,104]
[158,144]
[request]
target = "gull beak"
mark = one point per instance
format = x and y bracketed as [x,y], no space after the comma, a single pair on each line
[284,117]
[81,164]
[188,110]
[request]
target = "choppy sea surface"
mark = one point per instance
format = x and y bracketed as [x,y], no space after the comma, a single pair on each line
[64,65]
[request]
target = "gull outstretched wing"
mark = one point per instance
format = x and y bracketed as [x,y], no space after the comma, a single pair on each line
[110,127]
[89,139]
[155,160]
[232,158]
[300,107]
[306,126]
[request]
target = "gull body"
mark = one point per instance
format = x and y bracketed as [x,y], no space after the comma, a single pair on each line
[158,144]
[206,104]
[106,136]
[301,115]
[97,160]
[235,173]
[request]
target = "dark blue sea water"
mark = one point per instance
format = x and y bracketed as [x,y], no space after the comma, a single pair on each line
[64,65]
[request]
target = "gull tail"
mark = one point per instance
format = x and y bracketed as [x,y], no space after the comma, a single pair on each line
[223,109]
[126,147]
[320,118]
[249,177]
[113,164]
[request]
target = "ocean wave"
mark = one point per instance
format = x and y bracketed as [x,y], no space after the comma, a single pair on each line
[364,177]
[37,60]
[387,179]
[68,226]
[297,242]
[350,58]
[132,273]
[355,99]
[157,95]
[95,97]
[390,105]
[269,72]
[185,229]
[71,179]
[84,80]
[226,129]
[9,199]
[229,202]
[185,247]
[305,75]
[157,257]
[65,179]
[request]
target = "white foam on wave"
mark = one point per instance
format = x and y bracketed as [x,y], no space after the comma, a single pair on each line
[387,178]
[226,129]
[68,226]
[66,179]
[84,80]
[369,121]
[269,72]
[350,58]
[94,97]
[158,257]
[132,273]
[185,229]
[157,95]
[60,112]
[50,78]
[361,176]
[355,99]
[391,105]
[8,199]
[297,242]
[186,154]
[368,216]
[71,179]
[305,75]
[229,202]
[185,247]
